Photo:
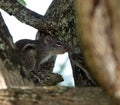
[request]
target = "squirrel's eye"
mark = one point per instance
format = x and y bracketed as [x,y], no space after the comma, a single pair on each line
[59,43]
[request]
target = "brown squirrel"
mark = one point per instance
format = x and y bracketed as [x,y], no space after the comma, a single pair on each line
[36,52]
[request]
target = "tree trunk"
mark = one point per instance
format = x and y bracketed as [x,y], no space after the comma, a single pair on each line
[98,25]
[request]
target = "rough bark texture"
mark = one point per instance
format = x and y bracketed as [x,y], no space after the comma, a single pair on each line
[54,96]
[11,71]
[98,24]
[27,16]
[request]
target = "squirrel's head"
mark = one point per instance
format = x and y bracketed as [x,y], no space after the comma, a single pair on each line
[54,45]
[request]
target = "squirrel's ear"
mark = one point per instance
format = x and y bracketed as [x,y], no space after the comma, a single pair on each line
[47,39]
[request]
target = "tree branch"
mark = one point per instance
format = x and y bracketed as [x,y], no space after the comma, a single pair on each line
[6,39]
[54,96]
[11,69]
[27,16]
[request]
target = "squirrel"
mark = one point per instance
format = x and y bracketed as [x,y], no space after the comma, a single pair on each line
[36,52]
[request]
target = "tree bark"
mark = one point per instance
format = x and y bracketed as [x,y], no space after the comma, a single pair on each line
[98,33]
[54,96]
[13,7]
[11,71]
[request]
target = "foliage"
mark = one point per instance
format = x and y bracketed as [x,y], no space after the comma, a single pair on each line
[22,2]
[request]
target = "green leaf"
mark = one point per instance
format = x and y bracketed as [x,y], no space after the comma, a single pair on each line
[22,2]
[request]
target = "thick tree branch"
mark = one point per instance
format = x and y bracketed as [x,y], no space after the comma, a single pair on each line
[6,39]
[10,64]
[27,16]
[54,96]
